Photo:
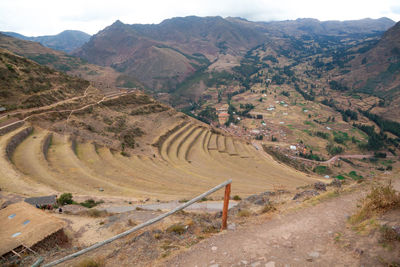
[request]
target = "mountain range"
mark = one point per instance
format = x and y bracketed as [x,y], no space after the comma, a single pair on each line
[66,41]
[163,55]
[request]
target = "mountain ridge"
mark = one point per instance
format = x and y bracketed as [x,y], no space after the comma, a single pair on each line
[66,41]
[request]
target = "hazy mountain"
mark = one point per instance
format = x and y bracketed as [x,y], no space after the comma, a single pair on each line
[314,26]
[66,41]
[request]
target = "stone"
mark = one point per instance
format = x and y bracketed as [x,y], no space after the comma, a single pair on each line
[214,248]
[255,264]
[307,193]
[270,264]
[232,226]
[243,262]
[336,183]
[320,186]
[314,254]
[214,265]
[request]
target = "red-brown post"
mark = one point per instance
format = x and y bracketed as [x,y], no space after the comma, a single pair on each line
[226,205]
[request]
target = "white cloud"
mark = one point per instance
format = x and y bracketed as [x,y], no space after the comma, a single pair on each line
[41,17]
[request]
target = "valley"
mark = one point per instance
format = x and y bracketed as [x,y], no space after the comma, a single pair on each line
[301,114]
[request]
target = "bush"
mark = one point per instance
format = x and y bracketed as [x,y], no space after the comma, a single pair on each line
[176,228]
[243,213]
[321,170]
[334,150]
[91,263]
[90,203]
[237,198]
[65,199]
[267,208]
[380,200]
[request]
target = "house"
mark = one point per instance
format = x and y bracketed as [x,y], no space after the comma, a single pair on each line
[42,201]
[2,109]
[23,226]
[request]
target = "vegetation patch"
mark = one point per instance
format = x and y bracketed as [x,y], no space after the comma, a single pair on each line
[380,200]
[353,175]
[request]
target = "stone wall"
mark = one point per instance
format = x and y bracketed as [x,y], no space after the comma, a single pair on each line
[46,144]
[16,140]
[10,128]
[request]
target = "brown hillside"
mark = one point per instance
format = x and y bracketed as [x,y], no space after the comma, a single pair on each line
[105,77]
[377,72]
[26,84]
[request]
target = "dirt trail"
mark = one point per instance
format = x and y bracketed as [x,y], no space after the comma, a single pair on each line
[305,237]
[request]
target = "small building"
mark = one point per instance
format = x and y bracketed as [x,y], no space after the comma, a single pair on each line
[23,226]
[2,109]
[42,201]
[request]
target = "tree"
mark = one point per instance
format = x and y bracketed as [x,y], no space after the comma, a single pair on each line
[65,199]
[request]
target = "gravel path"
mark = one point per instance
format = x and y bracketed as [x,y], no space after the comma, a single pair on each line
[298,238]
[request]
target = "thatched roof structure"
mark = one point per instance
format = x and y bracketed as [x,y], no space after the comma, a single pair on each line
[23,224]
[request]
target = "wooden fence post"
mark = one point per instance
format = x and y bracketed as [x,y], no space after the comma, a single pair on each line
[226,206]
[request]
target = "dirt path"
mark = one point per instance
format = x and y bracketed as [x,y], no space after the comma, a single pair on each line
[299,238]
[46,111]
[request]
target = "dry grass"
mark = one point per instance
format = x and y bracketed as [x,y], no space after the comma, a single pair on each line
[88,262]
[380,200]
[267,208]
[176,228]
[95,213]
[244,213]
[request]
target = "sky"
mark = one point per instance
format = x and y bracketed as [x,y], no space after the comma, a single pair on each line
[49,17]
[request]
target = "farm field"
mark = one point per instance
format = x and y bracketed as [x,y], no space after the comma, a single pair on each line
[191,160]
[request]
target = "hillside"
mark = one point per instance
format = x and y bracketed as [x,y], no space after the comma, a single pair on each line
[163,55]
[105,77]
[78,139]
[179,52]
[25,84]
[377,72]
[66,41]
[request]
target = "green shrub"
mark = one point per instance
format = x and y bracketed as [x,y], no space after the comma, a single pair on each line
[353,175]
[65,199]
[237,198]
[321,170]
[90,203]
[340,177]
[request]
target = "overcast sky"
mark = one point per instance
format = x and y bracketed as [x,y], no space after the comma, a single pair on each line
[48,17]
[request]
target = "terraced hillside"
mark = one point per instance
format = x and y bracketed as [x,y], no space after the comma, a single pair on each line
[190,160]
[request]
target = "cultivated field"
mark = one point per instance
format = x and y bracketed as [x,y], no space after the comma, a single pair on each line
[191,160]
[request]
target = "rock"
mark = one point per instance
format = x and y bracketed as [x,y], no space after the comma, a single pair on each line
[320,186]
[214,265]
[270,264]
[258,199]
[336,183]
[101,189]
[214,248]
[255,264]
[314,254]
[307,193]
[232,226]
[243,262]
